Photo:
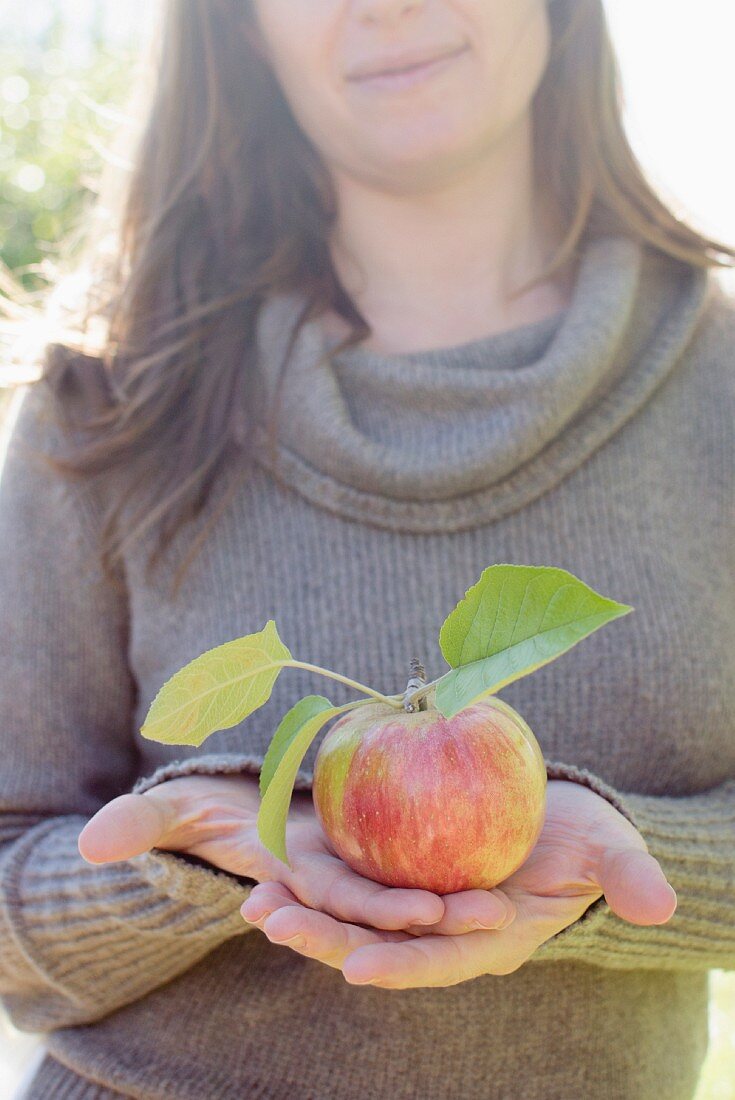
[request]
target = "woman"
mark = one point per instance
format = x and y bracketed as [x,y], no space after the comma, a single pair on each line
[543,375]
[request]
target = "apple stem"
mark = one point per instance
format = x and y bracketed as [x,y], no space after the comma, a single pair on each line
[416,680]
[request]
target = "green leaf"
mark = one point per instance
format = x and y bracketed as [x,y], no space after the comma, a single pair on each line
[217,689]
[296,730]
[288,728]
[515,619]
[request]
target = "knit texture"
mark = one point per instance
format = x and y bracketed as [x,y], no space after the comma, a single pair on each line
[600,441]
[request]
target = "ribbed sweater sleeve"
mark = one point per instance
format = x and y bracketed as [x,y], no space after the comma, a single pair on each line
[225,763]
[693,839]
[77,940]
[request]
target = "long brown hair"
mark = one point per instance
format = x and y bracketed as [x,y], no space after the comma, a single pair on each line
[228,202]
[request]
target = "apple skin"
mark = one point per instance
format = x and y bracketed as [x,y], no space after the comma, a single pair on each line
[426,802]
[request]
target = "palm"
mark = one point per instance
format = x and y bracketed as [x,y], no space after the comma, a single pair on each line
[586,848]
[560,866]
[228,836]
[320,880]
[315,874]
[579,828]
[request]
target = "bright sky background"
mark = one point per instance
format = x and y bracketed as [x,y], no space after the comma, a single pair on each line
[677,63]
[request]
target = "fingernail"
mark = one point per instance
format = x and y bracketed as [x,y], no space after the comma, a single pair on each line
[295,941]
[254,915]
[507,919]
[494,925]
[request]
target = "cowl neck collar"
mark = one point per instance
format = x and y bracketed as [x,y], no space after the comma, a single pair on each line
[454,437]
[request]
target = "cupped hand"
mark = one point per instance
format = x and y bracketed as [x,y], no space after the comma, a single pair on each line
[586,849]
[215,818]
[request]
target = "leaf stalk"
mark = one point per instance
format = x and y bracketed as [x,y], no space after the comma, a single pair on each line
[395,701]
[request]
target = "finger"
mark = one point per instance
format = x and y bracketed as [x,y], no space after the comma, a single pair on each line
[425,961]
[635,886]
[264,898]
[468,910]
[267,897]
[127,826]
[319,936]
[324,882]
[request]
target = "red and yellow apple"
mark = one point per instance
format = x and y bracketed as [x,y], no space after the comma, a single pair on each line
[414,799]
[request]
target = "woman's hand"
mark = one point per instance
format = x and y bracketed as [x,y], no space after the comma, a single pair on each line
[586,849]
[215,818]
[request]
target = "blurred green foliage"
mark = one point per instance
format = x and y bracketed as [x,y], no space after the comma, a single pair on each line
[58,114]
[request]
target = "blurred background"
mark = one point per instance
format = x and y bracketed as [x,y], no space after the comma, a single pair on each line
[67,69]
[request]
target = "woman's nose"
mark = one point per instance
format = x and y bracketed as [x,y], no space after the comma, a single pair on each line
[380,11]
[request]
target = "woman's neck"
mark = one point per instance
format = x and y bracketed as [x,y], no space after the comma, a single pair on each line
[440,266]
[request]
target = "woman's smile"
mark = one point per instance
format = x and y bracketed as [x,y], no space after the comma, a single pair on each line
[404,79]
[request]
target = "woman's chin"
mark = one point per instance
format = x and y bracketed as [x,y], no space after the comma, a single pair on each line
[431,145]
[428,164]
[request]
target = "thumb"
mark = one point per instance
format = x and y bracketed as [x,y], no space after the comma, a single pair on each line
[127,826]
[635,887]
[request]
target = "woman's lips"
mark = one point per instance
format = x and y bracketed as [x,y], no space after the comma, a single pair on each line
[408,78]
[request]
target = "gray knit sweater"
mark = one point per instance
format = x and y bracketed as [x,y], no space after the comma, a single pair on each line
[600,440]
